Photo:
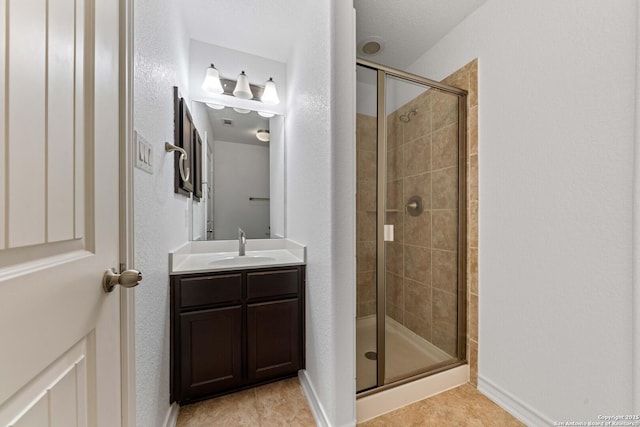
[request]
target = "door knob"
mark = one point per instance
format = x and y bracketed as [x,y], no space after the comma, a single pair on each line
[128,279]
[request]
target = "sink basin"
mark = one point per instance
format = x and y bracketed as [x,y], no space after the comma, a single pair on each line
[222,255]
[238,260]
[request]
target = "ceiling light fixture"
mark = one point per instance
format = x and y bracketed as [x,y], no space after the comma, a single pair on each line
[241,110]
[371,46]
[214,106]
[266,115]
[212,81]
[263,135]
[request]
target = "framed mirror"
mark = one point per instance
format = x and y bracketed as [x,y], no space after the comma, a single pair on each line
[243,176]
[184,131]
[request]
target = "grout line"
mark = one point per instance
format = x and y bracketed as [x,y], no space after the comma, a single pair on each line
[425,172]
[427,247]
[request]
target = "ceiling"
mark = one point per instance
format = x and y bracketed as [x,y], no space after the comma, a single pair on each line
[269,28]
[242,129]
[262,28]
[408,27]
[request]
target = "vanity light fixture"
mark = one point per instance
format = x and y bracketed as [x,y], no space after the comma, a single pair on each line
[212,81]
[241,110]
[242,90]
[263,135]
[214,106]
[270,95]
[266,115]
[215,84]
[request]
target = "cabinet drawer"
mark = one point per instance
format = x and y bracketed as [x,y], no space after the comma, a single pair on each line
[197,291]
[272,284]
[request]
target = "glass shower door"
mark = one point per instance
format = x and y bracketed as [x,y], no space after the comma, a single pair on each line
[422,179]
[410,144]
[366,214]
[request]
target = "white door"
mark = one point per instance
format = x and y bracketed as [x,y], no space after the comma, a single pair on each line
[59,131]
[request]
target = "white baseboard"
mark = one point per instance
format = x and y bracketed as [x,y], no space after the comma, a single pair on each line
[172,415]
[319,414]
[512,404]
[380,403]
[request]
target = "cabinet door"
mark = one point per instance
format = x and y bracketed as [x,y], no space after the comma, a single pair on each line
[211,351]
[273,332]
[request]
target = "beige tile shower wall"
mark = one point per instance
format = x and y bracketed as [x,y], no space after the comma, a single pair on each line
[394,251]
[467,78]
[422,261]
[428,169]
[366,214]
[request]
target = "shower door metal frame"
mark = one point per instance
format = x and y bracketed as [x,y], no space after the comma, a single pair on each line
[382,72]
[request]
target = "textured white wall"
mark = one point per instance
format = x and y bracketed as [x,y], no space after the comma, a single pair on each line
[319,131]
[344,208]
[556,129]
[160,62]
[308,158]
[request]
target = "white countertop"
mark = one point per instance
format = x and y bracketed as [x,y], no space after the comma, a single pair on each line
[222,255]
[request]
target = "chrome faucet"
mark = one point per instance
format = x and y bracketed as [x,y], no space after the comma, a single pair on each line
[242,242]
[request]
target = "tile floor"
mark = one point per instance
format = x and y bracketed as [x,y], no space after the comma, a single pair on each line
[284,404]
[277,404]
[461,406]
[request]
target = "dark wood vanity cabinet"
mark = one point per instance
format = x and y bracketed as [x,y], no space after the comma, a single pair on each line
[233,330]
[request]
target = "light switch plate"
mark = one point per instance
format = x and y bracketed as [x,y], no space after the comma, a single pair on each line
[144,154]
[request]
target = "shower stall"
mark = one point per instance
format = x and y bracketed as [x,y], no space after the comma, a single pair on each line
[411,236]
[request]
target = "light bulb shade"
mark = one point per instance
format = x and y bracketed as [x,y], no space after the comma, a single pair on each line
[263,135]
[215,106]
[242,90]
[270,94]
[266,115]
[211,81]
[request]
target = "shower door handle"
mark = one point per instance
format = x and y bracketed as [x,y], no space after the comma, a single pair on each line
[388,232]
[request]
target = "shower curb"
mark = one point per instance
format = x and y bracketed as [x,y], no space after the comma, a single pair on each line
[380,403]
